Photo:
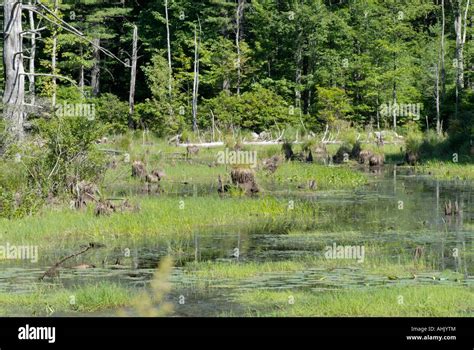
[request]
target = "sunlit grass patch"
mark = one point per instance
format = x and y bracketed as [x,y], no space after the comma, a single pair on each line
[448,170]
[158,217]
[327,178]
[421,301]
[46,301]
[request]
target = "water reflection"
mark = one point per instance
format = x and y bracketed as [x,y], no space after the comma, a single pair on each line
[396,213]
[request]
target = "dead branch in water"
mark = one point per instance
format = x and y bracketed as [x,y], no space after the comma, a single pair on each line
[52,271]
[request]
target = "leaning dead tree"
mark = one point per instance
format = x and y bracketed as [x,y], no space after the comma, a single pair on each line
[13,56]
[53,270]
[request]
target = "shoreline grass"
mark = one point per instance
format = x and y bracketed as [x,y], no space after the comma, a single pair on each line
[158,216]
[46,301]
[448,170]
[418,301]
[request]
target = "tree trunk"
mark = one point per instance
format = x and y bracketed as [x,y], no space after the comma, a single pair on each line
[378,112]
[14,92]
[437,96]
[460,27]
[394,94]
[459,58]
[133,77]
[443,67]
[95,72]
[81,72]
[31,77]
[299,53]
[197,44]
[53,57]
[168,42]
[306,92]
[238,34]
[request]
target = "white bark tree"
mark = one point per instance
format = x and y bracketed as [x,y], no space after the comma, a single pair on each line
[197,44]
[133,76]
[168,44]
[14,92]
[460,27]
[238,34]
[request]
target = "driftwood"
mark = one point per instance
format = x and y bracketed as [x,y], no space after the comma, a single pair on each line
[53,270]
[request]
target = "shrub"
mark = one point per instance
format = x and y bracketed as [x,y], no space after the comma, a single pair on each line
[413,138]
[433,145]
[258,110]
[112,111]
[61,154]
[161,118]
[333,104]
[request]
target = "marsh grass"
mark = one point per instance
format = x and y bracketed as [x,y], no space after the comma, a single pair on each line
[448,170]
[376,266]
[327,178]
[203,169]
[47,300]
[159,217]
[413,301]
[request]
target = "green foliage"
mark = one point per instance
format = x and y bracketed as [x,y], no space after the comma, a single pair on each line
[333,104]
[62,153]
[112,112]
[433,145]
[17,198]
[413,138]
[157,73]
[381,53]
[158,117]
[257,110]
[69,152]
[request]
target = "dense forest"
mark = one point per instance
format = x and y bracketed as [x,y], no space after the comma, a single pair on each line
[256,65]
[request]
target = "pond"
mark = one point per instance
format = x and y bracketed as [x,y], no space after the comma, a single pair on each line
[398,218]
